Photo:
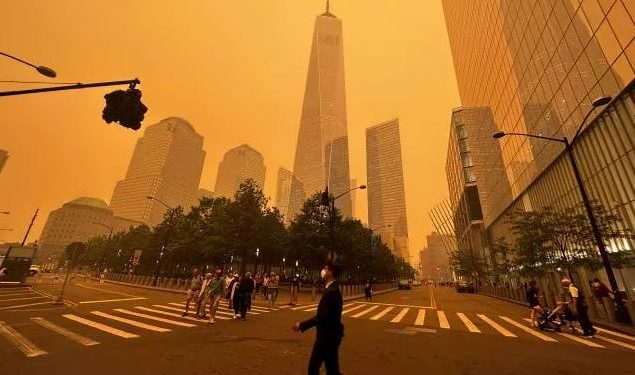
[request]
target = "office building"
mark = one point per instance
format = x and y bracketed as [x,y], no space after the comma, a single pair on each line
[238,165]
[166,164]
[386,191]
[434,259]
[321,157]
[77,221]
[4,156]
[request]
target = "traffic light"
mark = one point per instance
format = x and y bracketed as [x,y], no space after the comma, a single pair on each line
[124,107]
[326,199]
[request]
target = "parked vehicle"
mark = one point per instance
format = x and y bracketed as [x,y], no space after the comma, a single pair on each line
[463,286]
[416,283]
[404,284]
[33,270]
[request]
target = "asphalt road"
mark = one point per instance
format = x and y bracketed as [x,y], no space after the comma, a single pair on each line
[423,331]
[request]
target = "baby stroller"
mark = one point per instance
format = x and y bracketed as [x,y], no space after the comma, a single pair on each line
[561,317]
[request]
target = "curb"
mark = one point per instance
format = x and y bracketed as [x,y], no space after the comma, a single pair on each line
[601,324]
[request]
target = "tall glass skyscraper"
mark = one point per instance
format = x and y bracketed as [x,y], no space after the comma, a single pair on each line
[538,64]
[238,165]
[321,157]
[386,190]
[167,164]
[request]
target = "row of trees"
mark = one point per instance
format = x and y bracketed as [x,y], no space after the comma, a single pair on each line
[547,241]
[245,232]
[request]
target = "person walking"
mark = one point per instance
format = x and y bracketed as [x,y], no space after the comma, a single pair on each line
[578,305]
[328,324]
[203,296]
[272,287]
[232,295]
[194,290]
[368,291]
[295,288]
[245,289]
[215,287]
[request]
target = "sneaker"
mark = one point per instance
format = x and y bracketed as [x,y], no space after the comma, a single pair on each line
[184,314]
[211,321]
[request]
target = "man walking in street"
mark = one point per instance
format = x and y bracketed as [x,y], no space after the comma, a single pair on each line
[215,294]
[328,324]
[245,289]
[579,307]
[193,291]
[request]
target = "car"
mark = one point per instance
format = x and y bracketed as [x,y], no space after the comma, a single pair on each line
[416,283]
[404,285]
[463,286]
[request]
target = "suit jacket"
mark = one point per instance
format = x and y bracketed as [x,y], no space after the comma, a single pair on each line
[328,318]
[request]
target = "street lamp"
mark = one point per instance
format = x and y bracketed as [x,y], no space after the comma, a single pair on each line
[256,262]
[329,202]
[5,212]
[167,237]
[622,312]
[43,70]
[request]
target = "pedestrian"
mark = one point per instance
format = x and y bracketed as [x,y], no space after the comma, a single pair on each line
[578,305]
[245,289]
[533,300]
[194,290]
[272,289]
[328,324]
[203,296]
[368,291]
[232,299]
[295,288]
[215,294]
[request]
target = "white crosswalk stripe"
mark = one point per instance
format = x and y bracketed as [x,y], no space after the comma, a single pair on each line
[64,332]
[400,315]
[370,309]
[529,330]
[166,313]
[616,342]
[181,310]
[131,322]
[496,326]
[421,317]
[28,348]
[575,338]
[305,307]
[220,310]
[100,326]
[155,318]
[616,334]
[468,323]
[351,309]
[443,320]
[382,313]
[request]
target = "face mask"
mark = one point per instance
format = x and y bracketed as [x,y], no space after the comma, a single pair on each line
[323,273]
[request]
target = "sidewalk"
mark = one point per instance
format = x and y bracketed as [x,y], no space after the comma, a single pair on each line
[623,328]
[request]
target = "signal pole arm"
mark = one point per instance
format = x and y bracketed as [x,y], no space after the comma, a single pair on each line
[76,86]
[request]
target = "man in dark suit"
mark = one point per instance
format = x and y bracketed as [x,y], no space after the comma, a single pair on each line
[328,325]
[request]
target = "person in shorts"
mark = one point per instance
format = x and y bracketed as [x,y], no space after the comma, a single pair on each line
[194,290]
[533,300]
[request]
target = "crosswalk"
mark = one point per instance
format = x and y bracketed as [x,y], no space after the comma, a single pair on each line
[474,323]
[21,298]
[92,327]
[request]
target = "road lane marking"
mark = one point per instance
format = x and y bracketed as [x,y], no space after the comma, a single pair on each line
[397,305]
[315,308]
[181,310]
[106,290]
[615,333]
[304,307]
[365,311]
[496,326]
[433,300]
[400,315]
[112,300]
[131,322]
[586,342]
[24,305]
[529,330]
[443,320]
[155,318]
[21,299]
[468,323]
[219,310]
[65,332]
[161,312]
[382,313]
[421,317]
[101,327]
[15,294]
[616,342]
[28,348]
[351,309]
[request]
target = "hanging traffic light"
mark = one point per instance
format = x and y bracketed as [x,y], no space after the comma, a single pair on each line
[326,198]
[124,107]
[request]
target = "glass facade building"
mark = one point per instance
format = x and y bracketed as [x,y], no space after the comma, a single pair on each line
[386,190]
[538,65]
[238,165]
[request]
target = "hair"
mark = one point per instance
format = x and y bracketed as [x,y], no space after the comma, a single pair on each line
[336,269]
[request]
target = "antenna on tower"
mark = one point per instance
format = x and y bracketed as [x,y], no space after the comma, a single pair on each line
[327,6]
[328,10]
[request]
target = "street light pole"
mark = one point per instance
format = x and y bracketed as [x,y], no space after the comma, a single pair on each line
[43,70]
[622,312]
[329,201]
[167,237]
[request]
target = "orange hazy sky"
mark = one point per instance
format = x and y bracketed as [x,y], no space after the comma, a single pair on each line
[236,70]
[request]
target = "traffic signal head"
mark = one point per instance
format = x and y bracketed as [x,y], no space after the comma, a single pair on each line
[124,107]
[326,199]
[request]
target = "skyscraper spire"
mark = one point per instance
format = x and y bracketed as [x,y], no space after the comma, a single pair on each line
[328,10]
